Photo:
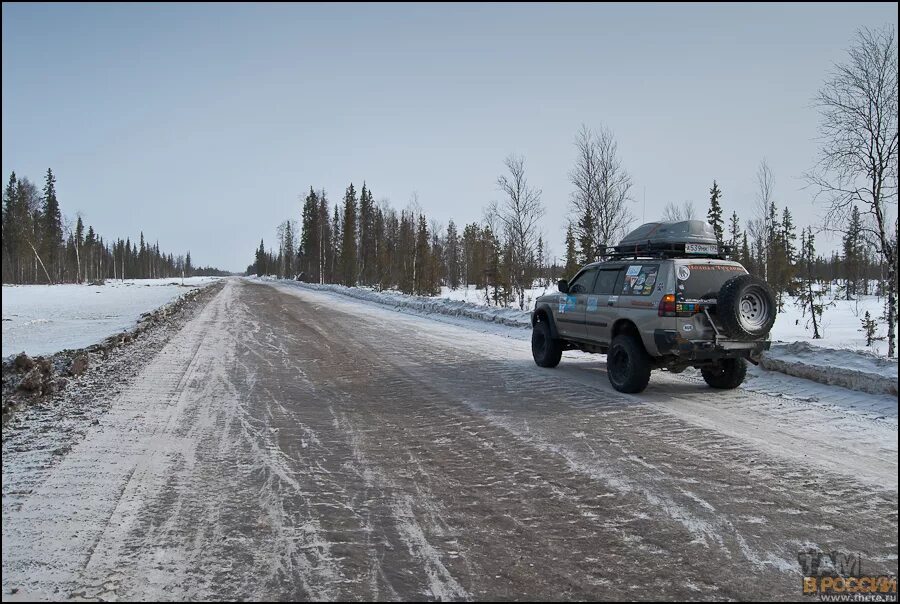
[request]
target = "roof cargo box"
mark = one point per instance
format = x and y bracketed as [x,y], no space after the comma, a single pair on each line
[686,238]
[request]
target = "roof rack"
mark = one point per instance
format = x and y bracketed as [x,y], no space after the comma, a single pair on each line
[651,249]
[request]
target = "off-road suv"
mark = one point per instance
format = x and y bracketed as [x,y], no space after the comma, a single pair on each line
[665,298]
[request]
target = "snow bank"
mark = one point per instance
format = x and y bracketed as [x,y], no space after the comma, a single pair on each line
[427,305]
[45,319]
[852,369]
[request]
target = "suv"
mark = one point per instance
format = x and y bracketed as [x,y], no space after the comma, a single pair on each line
[664,298]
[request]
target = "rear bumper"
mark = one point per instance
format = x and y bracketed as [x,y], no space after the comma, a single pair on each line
[669,342]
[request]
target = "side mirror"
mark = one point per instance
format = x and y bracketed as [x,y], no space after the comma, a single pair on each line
[563,286]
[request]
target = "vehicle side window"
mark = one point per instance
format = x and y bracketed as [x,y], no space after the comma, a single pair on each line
[584,282]
[606,281]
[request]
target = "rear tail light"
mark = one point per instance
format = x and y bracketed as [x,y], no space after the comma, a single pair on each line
[667,306]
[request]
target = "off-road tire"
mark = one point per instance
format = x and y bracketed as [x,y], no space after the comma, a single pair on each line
[544,348]
[746,308]
[628,364]
[727,374]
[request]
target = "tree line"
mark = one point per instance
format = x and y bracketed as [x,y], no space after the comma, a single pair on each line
[40,245]
[360,242]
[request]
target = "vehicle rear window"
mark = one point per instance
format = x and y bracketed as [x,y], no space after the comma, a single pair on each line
[699,281]
[639,279]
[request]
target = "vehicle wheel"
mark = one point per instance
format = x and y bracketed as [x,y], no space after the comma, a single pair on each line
[727,374]
[546,351]
[628,365]
[746,307]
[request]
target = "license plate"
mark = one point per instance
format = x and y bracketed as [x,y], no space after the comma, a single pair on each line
[701,248]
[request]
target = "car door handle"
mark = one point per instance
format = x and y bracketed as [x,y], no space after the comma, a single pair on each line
[610,303]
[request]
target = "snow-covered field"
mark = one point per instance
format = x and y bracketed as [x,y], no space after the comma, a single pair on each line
[43,319]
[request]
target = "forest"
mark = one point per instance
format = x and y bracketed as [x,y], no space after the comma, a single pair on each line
[41,245]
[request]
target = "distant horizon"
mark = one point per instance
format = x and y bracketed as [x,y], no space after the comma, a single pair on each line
[205,125]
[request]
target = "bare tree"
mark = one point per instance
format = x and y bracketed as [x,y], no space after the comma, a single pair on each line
[762,225]
[858,161]
[602,187]
[677,212]
[519,216]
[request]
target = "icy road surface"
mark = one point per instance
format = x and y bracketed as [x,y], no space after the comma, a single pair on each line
[289,444]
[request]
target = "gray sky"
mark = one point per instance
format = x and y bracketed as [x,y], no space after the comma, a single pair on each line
[203,124]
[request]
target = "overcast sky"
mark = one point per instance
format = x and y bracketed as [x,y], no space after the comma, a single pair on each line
[203,124]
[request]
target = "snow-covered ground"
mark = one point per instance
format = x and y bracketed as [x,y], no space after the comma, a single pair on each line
[43,319]
[840,328]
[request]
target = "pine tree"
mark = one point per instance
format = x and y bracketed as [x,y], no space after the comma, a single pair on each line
[714,216]
[571,254]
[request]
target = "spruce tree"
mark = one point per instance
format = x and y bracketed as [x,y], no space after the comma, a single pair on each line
[571,253]
[309,238]
[586,236]
[367,246]
[422,259]
[734,233]
[334,254]
[714,216]
[788,251]
[452,254]
[11,231]
[261,259]
[853,249]
[349,262]
[746,255]
[51,226]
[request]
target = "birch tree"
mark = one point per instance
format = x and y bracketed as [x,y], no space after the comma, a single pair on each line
[857,163]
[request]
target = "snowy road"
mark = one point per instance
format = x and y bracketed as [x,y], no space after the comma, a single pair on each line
[289,444]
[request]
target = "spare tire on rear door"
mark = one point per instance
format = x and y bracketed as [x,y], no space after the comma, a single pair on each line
[746,307]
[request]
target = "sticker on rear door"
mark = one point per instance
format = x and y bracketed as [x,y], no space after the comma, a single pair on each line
[592,303]
[684,273]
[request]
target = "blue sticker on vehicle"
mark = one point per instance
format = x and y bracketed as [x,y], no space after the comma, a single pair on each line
[592,303]
[567,303]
